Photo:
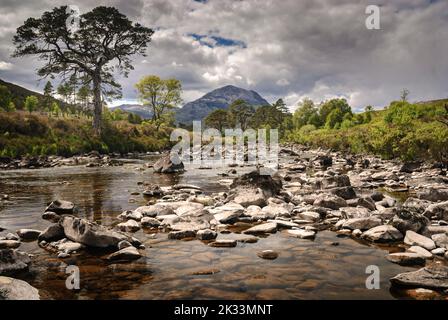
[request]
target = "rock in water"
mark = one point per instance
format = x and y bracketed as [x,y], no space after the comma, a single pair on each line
[14,289]
[270,227]
[91,234]
[206,234]
[362,223]
[406,258]
[54,232]
[166,165]
[407,220]
[384,233]
[434,277]
[61,207]
[9,244]
[223,243]
[268,254]
[28,234]
[302,234]
[129,226]
[12,261]
[126,254]
[415,239]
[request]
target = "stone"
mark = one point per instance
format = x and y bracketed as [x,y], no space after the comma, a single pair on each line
[67,247]
[179,235]
[227,213]
[269,227]
[367,202]
[438,251]
[9,244]
[269,185]
[15,289]
[282,224]
[125,254]
[406,258]
[329,201]
[441,240]
[437,211]
[129,226]
[433,194]
[148,222]
[383,233]
[335,182]
[422,294]
[355,212]
[250,197]
[129,214]
[223,243]
[357,233]
[61,207]
[206,234]
[12,236]
[302,234]
[433,277]
[268,254]
[421,251]
[276,210]
[343,192]
[91,234]
[13,261]
[410,167]
[377,196]
[416,205]
[407,220]
[414,239]
[361,223]
[28,234]
[169,164]
[308,216]
[124,244]
[153,211]
[53,232]
[435,229]
[51,216]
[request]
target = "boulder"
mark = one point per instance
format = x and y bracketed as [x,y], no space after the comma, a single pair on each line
[416,205]
[91,234]
[125,254]
[433,277]
[9,244]
[282,224]
[129,226]
[383,233]
[53,232]
[362,223]
[355,212]
[61,207]
[153,211]
[148,222]
[276,210]
[421,251]
[28,234]
[343,192]
[335,182]
[406,258]
[437,211]
[433,194]
[66,246]
[183,234]
[407,220]
[12,261]
[308,216]
[15,289]
[441,240]
[367,202]
[329,201]
[227,213]
[169,164]
[269,227]
[414,239]
[129,214]
[249,197]
[410,167]
[51,216]
[206,234]
[270,186]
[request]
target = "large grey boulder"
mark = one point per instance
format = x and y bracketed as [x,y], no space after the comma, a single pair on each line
[91,234]
[15,289]
[434,277]
[53,232]
[437,211]
[169,164]
[384,233]
[12,261]
[407,220]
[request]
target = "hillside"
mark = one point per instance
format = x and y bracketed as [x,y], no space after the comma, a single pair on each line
[137,109]
[217,99]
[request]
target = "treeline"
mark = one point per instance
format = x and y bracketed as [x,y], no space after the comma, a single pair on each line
[243,115]
[410,131]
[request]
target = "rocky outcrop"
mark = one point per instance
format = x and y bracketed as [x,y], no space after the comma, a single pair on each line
[434,277]
[14,289]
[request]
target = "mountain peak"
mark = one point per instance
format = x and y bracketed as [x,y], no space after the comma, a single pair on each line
[219,98]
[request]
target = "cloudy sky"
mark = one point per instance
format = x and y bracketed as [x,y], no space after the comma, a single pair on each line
[287,49]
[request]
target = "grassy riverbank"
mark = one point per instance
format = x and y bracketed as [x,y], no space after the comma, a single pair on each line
[402,130]
[22,133]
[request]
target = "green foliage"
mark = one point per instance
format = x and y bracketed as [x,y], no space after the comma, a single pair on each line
[240,114]
[31,103]
[5,98]
[217,119]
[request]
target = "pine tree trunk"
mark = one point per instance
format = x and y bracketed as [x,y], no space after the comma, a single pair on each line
[98,106]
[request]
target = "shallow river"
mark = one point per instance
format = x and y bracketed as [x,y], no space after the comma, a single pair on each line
[305,269]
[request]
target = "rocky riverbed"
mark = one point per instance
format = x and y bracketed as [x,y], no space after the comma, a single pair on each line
[309,231]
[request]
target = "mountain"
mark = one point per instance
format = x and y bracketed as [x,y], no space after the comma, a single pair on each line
[137,109]
[217,99]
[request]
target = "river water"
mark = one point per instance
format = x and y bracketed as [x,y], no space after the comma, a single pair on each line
[170,269]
